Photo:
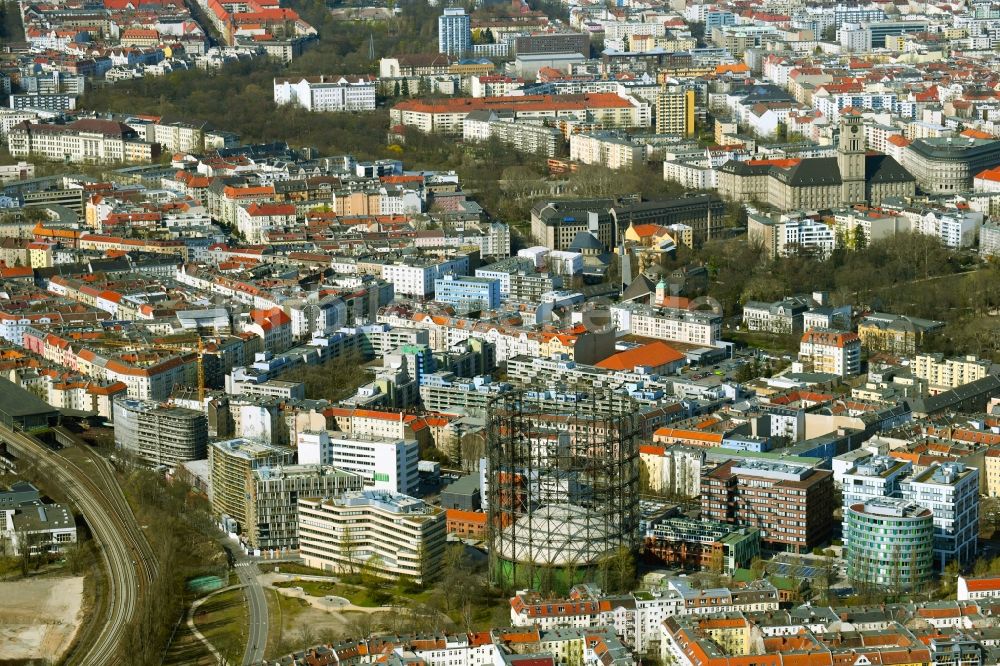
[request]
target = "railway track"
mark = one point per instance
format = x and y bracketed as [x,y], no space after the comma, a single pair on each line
[124,550]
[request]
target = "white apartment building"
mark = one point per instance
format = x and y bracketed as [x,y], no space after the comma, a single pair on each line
[417,278]
[692,174]
[674,469]
[989,239]
[528,137]
[11,117]
[447,116]
[619,30]
[855,38]
[87,140]
[384,463]
[951,491]
[943,374]
[873,225]
[606,149]
[454,34]
[787,236]
[833,352]
[327,93]
[405,535]
[255,220]
[697,327]
[494,85]
[954,230]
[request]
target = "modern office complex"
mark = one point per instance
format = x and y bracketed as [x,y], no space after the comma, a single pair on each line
[158,434]
[878,476]
[384,463]
[231,464]
[389,534]
[951,492]
[891,543]
[272,518]
[702,544]
[791,504]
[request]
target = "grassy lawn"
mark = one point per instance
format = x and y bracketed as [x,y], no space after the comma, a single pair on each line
[276,617]
[780,344]
[293,568]
[223,620]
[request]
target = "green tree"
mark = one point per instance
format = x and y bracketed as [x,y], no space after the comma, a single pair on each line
[860,240]
[372,573]
[333,380]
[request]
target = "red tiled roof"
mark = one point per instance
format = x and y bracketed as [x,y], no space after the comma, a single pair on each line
[983,584]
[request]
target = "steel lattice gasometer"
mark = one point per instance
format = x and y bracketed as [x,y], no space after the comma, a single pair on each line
[562,489]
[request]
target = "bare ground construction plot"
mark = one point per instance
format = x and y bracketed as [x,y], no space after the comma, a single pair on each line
[39,617]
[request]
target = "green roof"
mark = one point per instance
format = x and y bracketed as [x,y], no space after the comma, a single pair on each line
[785,583]
[770,455]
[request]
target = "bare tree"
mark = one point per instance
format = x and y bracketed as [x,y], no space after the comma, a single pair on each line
[363,625]
[25,550]
[623,564]
[76,554]
[467,615]
[348,550]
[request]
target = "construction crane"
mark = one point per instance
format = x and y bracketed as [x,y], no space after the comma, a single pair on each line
[201,371]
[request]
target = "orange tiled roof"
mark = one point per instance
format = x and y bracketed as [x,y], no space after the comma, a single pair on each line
[654,354]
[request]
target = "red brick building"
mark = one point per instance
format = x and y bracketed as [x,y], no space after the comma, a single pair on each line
[792,504]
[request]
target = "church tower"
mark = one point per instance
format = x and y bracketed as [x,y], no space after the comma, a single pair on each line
[851,158]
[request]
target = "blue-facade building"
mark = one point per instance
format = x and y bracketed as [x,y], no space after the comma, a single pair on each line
[477,292]
[454,32]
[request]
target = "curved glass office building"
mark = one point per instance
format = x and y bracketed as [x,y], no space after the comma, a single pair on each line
[890,544]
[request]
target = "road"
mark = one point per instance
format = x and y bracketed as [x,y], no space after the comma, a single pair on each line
[246,570]
[127,555]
